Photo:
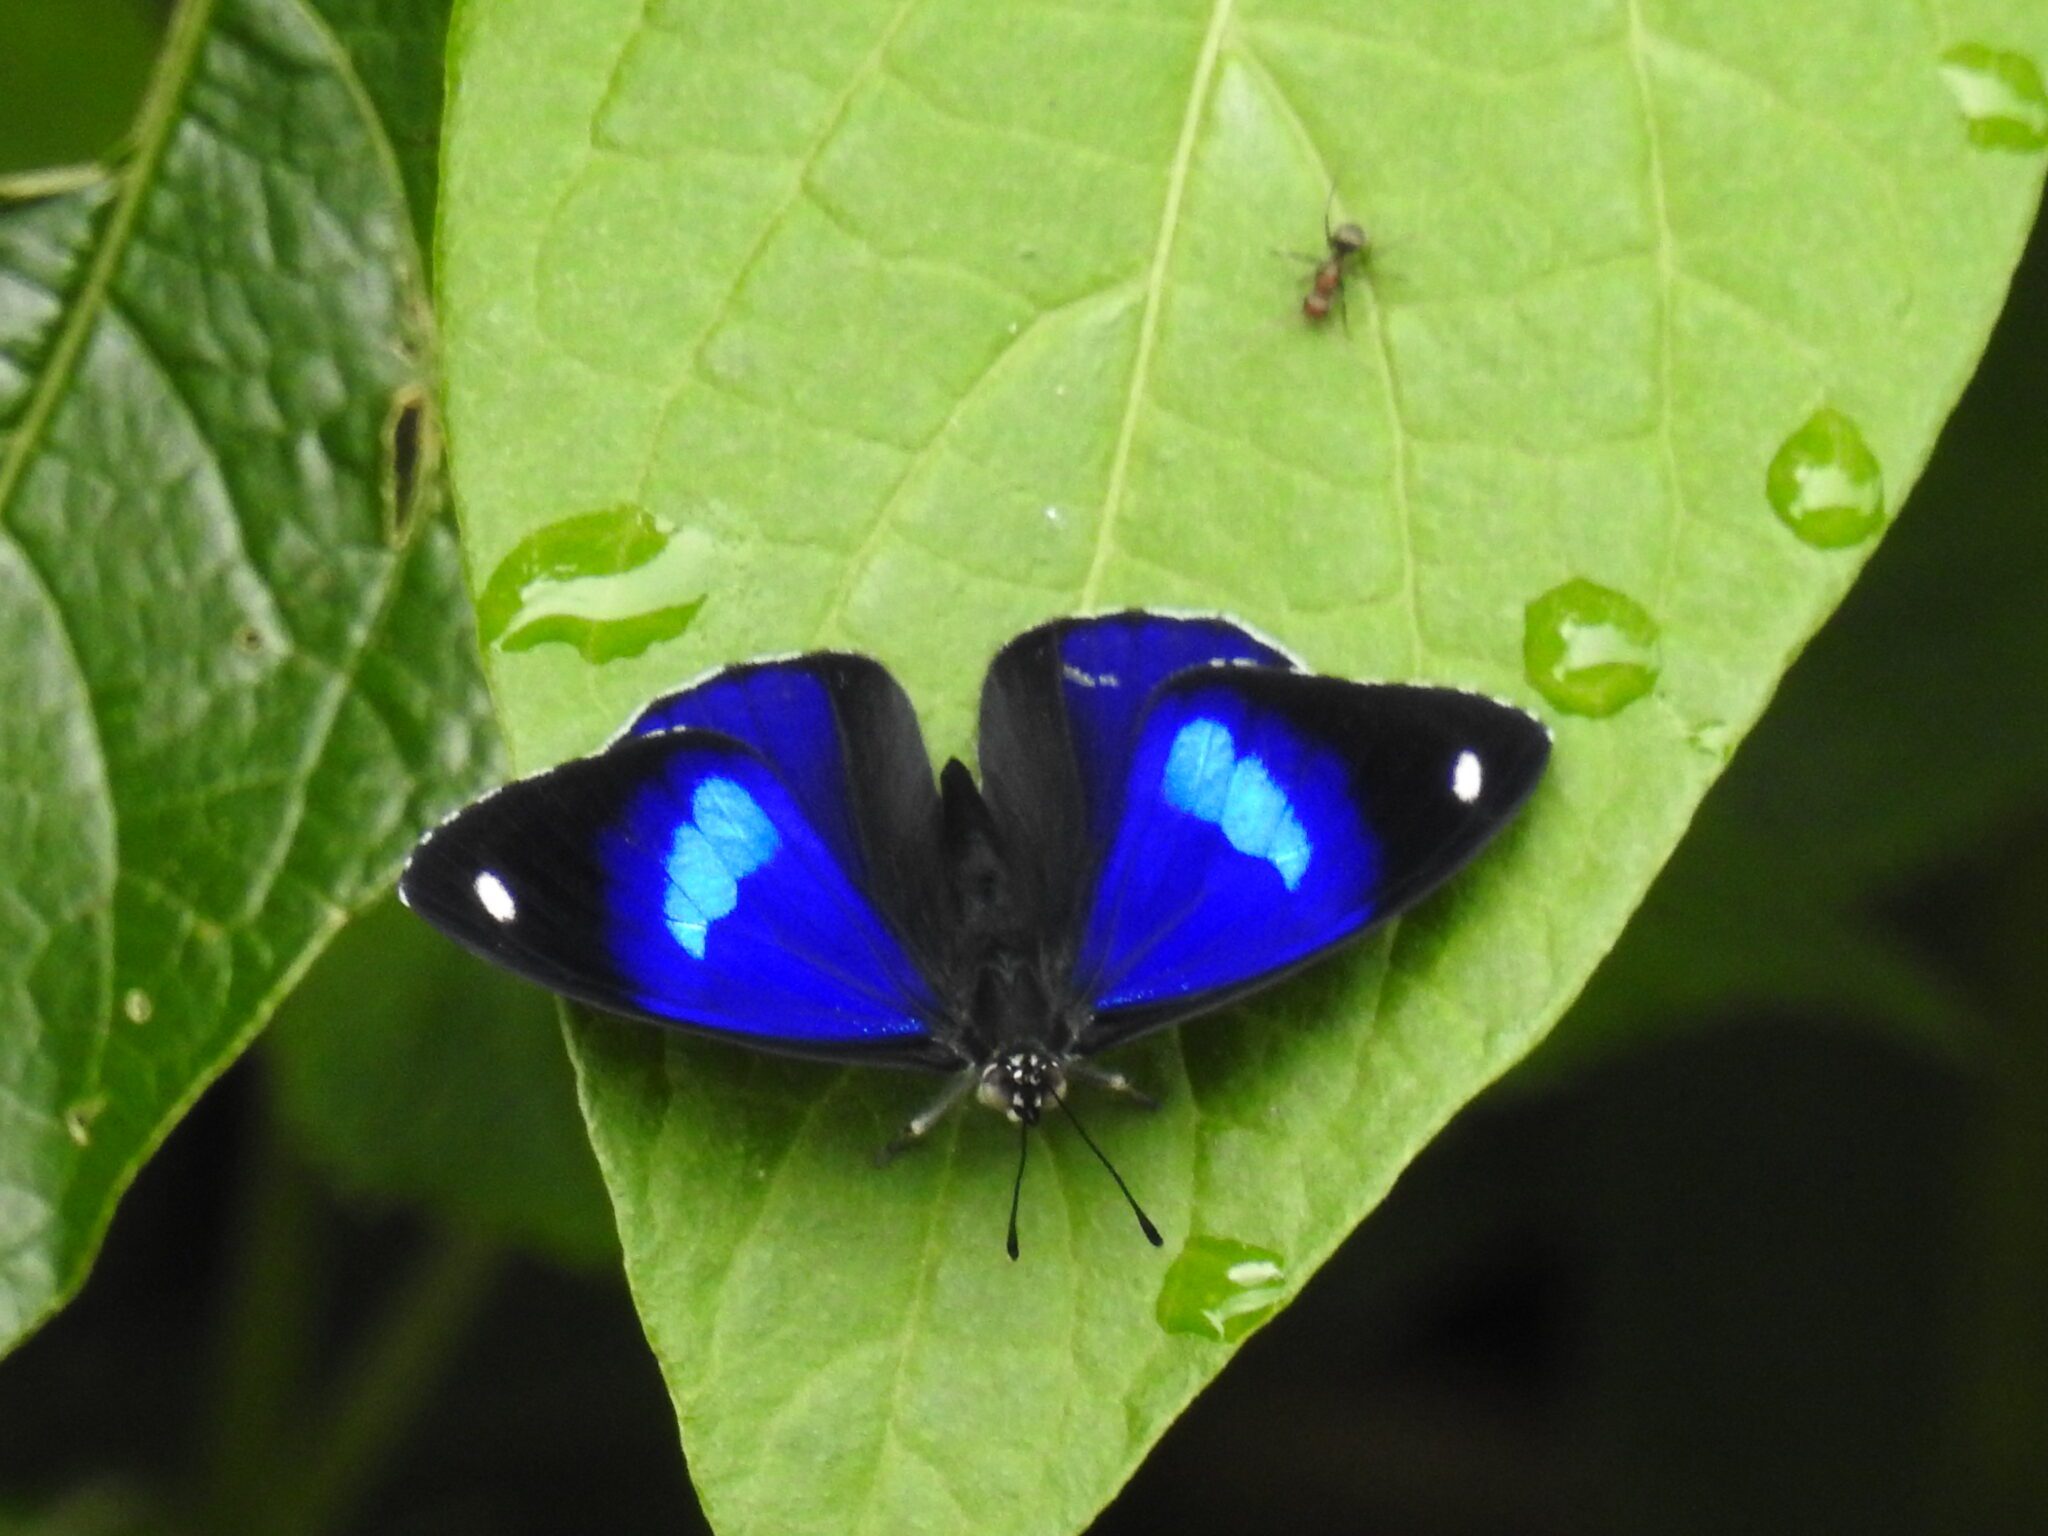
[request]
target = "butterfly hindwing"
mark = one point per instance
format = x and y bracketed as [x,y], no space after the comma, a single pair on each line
[1059,713]
[677,877]
[1267,816]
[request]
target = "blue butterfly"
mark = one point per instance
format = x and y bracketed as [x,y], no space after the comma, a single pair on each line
[1171,814]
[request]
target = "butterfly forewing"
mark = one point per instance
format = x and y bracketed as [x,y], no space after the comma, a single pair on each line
[844,737]
[676,877]
[1268,816]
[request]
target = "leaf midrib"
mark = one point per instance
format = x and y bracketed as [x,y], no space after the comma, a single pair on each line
[1155,292]
[159,114]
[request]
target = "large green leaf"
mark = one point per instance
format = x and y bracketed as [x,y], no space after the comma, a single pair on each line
[238,673]
[904,323]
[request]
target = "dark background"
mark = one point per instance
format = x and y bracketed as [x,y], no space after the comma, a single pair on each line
[1758,1242]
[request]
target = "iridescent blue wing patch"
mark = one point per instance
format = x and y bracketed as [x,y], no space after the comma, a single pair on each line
[1268,816]
[844,738]
[1059,720]
[677,877]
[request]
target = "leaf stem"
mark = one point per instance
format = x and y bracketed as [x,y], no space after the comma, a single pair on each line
[264,1331]
[387,1384]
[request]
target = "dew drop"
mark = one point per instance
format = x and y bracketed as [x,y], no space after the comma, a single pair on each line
[137,1006]
[1825,484]
[1220,1289]
[2000,94]
[1589,649]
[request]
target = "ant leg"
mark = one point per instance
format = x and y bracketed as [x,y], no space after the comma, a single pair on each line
[1113,1080]
[919,1125]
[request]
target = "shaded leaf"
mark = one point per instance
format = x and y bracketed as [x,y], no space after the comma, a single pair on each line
[931,320]
[407,1071]
[231,701]
[394,48]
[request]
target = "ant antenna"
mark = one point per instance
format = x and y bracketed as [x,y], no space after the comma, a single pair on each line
[1017,1185]
[1144,1222]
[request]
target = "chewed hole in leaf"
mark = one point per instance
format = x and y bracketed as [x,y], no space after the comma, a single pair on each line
[412,455]
[609,584]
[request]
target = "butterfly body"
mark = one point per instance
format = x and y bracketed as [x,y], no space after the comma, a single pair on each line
[1170,814]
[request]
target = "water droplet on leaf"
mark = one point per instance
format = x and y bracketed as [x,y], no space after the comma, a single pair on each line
[1825,483]
[2001,96]
[1220,1289]
[79,1117]
[1589,649]
[610,584]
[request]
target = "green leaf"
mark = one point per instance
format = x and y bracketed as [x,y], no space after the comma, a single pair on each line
[929,320]
[406,1070]
[231,701]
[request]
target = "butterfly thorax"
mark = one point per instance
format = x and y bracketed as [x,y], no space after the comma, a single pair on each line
[1011,1034]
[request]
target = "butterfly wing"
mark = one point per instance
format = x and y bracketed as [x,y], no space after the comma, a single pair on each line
[1059,714]
[677,877]
[1268,816]
[844,738]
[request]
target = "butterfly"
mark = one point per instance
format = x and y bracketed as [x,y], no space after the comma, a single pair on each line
[1171,814]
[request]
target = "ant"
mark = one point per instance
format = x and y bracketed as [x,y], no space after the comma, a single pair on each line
[1346,242]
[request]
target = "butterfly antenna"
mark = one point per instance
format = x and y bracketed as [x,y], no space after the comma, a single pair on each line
[1017,1184]
[1144,1222]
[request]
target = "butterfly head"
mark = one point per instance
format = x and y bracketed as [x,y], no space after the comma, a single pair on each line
[1018,1082]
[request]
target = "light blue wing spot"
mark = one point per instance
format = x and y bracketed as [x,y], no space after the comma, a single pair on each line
[1207,779]
[1198,765]
[1290,851]
[729,839]
[738,828]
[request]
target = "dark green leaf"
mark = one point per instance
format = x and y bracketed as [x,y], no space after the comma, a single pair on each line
[394,47]
[231,701]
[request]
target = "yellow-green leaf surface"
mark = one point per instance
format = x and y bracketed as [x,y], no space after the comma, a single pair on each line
[229,697]
[911,322]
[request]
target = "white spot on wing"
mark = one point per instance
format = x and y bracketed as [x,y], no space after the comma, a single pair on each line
[496,898]
[1467,776]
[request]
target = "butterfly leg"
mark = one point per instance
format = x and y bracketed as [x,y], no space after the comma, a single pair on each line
[1113,1080]
[919,1125]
